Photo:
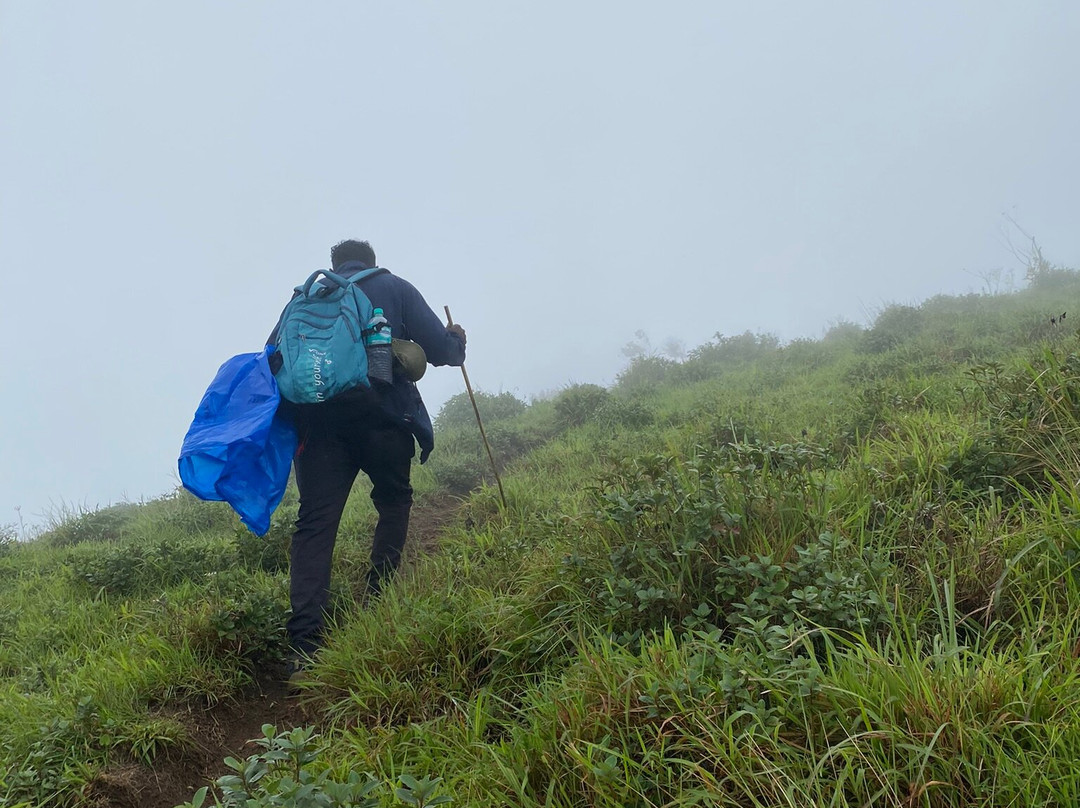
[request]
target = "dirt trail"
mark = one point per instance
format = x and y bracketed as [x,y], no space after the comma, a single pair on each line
[216,732]
[226,728]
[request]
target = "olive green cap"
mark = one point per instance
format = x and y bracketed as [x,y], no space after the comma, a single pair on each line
[409,359]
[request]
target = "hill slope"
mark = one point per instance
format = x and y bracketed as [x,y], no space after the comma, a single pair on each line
[830,572]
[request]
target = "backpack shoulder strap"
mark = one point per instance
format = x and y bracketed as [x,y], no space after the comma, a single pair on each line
[329,280]
[364,274]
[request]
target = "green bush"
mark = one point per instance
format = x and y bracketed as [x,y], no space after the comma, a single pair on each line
[895,325]
[512,439]
[734,350]
[283,775]
[617,413]
[269,553]
[461,463]
[674,542]
[50,765]
[187,514]
[579,403]
[842,332]
[104,524]
[646,373]
[286,774]
[131,568]
[1043,276]
[241,617]
[459,472]
[117,571]
[458,409]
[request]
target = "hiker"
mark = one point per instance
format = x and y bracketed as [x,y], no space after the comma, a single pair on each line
[369,429]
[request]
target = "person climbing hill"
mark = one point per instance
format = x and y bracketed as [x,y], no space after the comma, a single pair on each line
[372,428]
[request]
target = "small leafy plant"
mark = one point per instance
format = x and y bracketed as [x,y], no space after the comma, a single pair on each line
[421,793]
[285,774]
[282,775]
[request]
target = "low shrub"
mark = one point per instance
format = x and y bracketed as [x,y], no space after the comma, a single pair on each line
[493,407]
[241,616]
[617,413]
[53,760]
[645,373]
[131,568]
[895,325]
[580,403]
[511,439]
[104,524]
[459,472]
[187,514]
[675,545]
[269,553]
[286,774]
[734,350]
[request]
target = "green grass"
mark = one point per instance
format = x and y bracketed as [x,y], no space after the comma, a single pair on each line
[837,572]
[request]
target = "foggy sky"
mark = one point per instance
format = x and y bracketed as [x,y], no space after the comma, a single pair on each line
[560,174]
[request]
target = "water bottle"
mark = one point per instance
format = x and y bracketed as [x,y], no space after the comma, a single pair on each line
[380,357]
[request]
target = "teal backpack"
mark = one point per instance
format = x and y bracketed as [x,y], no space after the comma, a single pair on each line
[320,338]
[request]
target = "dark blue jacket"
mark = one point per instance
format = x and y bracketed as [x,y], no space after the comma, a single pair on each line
[410,317]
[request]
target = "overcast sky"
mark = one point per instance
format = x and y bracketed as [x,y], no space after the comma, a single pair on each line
[561,174]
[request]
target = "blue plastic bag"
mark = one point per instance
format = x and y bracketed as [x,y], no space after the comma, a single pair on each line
[238,449]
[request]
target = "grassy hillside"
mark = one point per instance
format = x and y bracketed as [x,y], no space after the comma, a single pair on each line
[832,572]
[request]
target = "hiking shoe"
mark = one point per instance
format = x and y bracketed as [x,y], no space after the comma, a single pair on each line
[297,674]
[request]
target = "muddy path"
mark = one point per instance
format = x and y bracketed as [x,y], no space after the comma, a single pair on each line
[215,733]
[227,728]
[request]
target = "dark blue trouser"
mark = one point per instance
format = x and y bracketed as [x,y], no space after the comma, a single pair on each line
[336,443]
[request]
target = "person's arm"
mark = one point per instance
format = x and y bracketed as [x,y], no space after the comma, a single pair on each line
[443,345]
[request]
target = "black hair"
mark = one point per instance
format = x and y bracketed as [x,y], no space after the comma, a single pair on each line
[352,250]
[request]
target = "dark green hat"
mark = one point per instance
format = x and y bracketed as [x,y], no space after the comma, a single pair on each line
[409,359]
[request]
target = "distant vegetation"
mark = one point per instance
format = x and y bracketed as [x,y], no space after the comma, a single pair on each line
[839,571]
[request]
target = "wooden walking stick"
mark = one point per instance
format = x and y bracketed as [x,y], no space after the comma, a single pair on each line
[479,423]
